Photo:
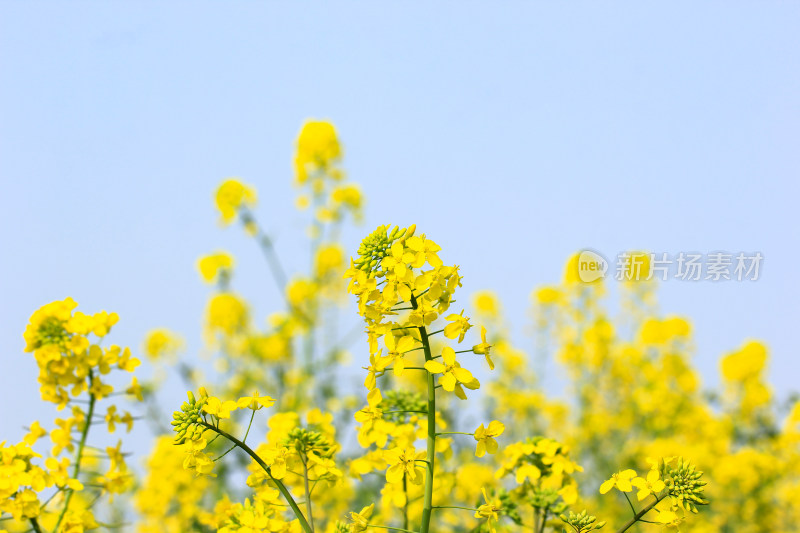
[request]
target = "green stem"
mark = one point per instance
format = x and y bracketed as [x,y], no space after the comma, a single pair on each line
[265,243]
[249,425]
[454,433]
[35,524]
[405,505]
[273,260]
[281,487]
[639,515]
[308,492]
[392,528]
[427,508]
[76,469]
[454,507]
[544,520]
[630,503]
[246,433]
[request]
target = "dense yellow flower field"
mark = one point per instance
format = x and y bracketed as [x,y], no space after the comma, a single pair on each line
[637,446]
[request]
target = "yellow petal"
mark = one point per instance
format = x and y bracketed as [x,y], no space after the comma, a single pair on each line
[448,381]
[435,367]
[448,356]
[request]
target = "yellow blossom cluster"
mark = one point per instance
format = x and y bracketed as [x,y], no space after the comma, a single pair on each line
[52,491]
[317,170]
[532,450]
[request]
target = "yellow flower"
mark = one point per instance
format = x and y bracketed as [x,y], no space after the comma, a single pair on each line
[527,471]
[745,364]
[424,250]
[395,263]
[162,342]
[453,376]
[489,511]
[47,324]
[58,470]
[423,315]
[200,462]
[317,148]
[374,370]
[360,521]
[275,457]
[651,485]
[78,521]
[103,322]
[371,413]
[483,348]
[329,260]
[100,389]
[668,516]
[403,462]
[395,350]
[569,493]
[547,295]
[485,437]
[255,402]
[126,362]
[620,480]
[458,327]
[232,195]
[35,433]
[212,266]
[135,389]
[350,197]
[227,313]
[486,304]
[300,291]
[220,409]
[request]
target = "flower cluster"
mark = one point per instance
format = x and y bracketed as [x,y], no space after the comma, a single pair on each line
[403,287]
[674,481]
[70,362]
[404,452]
[317,169]
[75,372]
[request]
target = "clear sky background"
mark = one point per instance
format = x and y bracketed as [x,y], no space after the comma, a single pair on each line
[512,135]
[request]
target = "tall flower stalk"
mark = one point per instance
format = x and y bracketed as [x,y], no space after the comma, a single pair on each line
[403,287]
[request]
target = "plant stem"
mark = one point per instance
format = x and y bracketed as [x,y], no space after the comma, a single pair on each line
[639,515]
[76,469]
[392,528]
[281,487]
[630,503]
[273,260]
[405,505]
[249,425]
[35,525]
[265,243]
[308,492]
[431,440]
[544,520]
[229,450]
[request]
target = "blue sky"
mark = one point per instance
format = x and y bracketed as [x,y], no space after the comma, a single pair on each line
[513,136]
